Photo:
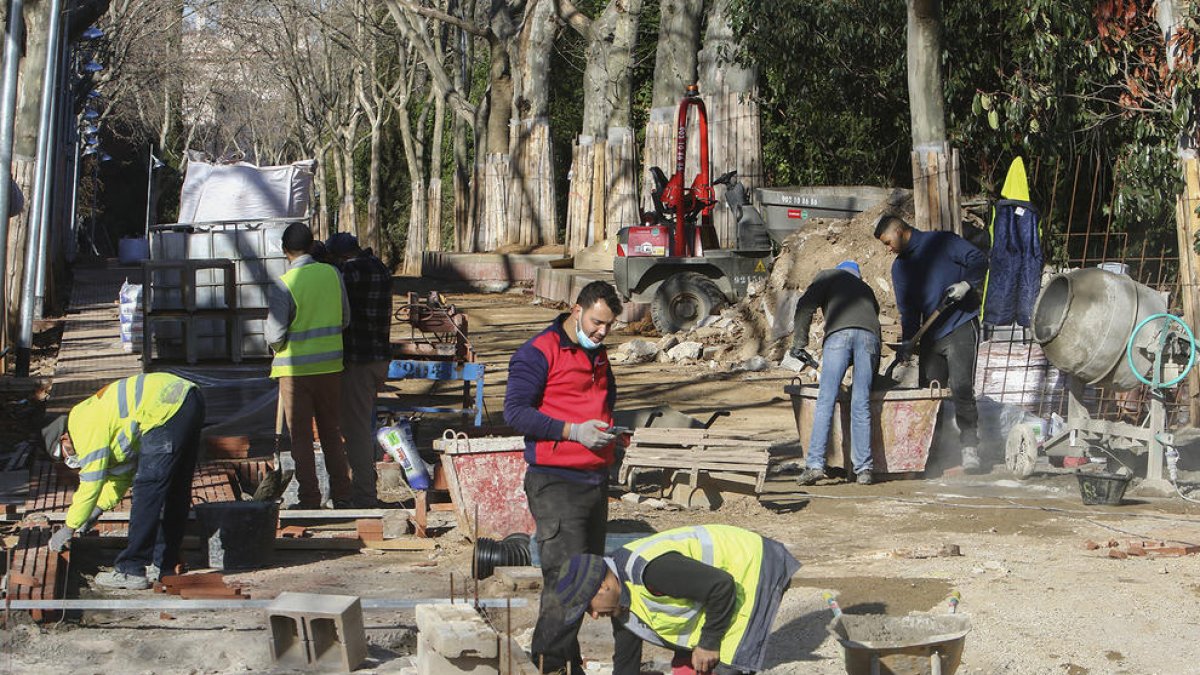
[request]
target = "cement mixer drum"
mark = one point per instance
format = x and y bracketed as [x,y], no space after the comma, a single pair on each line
[1083,320]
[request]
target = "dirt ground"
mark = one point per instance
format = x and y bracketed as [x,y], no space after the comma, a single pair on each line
[1039,602]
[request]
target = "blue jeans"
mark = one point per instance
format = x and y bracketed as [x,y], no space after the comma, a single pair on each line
[162,490]
[843,348]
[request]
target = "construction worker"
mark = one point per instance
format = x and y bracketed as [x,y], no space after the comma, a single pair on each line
[940,272]
[851,315]
[710,592]
[307,310]
[366,353]
[560,395]
[142,431]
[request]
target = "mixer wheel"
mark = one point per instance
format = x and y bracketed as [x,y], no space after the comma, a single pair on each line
[1021,450]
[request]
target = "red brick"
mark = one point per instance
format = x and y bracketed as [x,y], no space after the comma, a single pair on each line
[1117,553]
[1090,545]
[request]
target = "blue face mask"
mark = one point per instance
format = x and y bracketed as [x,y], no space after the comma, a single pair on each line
[584,340]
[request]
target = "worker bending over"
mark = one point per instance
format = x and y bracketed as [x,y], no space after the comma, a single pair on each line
[142,431]
[940,271]
[851,315]
[710,592]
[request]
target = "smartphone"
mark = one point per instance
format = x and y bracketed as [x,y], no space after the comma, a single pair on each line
[618,431]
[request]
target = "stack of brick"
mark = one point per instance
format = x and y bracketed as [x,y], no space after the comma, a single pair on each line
[210,585]
[369,529]
[34,571]
[454,639]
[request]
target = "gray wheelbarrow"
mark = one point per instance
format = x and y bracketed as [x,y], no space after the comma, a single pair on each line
[917,644]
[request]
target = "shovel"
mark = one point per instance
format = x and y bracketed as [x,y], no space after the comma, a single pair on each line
[272,486]
[943,305]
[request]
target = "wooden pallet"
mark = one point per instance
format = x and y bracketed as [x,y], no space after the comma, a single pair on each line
[35,572]
[721,454]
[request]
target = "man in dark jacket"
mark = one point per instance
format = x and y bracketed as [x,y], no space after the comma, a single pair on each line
[851,337]
[932,270]
[366,353]
[560,395]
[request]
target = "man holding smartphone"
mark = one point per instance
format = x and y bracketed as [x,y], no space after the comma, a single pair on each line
[560,395]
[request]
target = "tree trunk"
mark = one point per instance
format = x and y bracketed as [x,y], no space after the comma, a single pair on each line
[28,112]
[674,69]
[435,173]
[462,185]
[610,194]
[925,100]
[415,244]
[935,175]
[531,196]
[374,238]
[729,90]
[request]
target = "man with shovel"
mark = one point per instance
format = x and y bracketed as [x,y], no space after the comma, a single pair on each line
[851,315]
[937,277]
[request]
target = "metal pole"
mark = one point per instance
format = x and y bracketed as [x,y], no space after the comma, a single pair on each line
[368,604]
[29,283]
[50,173]
[149,187]
[73,234]
[8,110]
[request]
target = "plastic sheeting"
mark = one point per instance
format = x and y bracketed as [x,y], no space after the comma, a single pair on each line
[243,191]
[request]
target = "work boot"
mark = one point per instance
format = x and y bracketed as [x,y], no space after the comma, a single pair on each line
[865,478]
[115,579]
[153,574]
[811,477]
[970,459]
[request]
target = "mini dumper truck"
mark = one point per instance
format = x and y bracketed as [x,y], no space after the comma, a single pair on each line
[673,259]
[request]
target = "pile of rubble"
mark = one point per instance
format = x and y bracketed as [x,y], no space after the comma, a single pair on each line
[755,334]
[714,342]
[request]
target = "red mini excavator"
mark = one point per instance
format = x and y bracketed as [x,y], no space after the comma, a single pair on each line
[673,260]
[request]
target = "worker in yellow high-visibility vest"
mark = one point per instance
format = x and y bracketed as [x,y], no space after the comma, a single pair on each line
[144,432]
[709,592]
[307,310]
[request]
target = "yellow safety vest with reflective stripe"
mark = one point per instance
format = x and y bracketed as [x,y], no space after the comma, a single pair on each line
[106,430]
[677,621]
[314,338]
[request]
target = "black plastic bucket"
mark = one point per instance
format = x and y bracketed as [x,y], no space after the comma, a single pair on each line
[512,551]
[241,535]
[1102,488]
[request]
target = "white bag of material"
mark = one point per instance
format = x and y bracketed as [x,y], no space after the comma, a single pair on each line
[130,303]
[243,191]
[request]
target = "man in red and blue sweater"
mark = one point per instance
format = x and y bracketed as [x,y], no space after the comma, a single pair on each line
[560,395]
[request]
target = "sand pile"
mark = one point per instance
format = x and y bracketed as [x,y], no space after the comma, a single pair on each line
[767,314]
[761,324]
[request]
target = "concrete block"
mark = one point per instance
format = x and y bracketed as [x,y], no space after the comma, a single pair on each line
[456,631]
[519,578]
[318,631]
[430,662]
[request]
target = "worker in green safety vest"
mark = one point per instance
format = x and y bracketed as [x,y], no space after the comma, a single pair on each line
[710,592]
[142,431]
[307,310]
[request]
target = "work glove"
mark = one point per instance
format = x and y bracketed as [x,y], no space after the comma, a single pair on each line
[61,538]
[958,291]
[801,354]
[91,521]
[904,350]
[591,434]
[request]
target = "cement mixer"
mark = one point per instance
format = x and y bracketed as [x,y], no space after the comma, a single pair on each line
[1106,330]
